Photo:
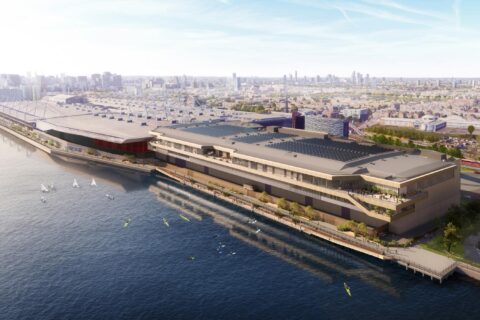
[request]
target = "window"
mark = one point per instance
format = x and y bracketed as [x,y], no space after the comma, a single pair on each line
[240,162]
[307,178]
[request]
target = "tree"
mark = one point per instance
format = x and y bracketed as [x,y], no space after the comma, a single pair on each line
[471,129]
[282,204]
[294,208]
[264,197]
[309,212]
[362,229]
[450,236]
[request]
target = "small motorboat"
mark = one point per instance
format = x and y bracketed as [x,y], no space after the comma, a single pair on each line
[43,199]
[109,196]
[165,222]
[127,223]
[258,230]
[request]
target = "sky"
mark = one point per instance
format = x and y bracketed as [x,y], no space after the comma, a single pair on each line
[397,38]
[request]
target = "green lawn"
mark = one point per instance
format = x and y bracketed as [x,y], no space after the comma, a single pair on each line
[457,250]
[436,244]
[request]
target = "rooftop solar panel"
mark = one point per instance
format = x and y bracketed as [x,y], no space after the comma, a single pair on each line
[369,149]
[328,149]
[254,138]
[218,130]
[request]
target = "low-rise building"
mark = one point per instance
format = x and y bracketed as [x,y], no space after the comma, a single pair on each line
[334,127]
[360,114]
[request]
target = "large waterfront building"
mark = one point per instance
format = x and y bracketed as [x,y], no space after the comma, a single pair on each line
[384,188]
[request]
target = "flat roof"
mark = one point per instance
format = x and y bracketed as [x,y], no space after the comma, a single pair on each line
[386,164]
[96,127]
[84,120]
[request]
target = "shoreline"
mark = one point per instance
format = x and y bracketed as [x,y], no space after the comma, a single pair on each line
[305,226]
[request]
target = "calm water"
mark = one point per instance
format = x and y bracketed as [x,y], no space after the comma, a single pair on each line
[72,258]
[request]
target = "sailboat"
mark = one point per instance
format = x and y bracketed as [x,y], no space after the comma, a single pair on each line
[43,188]
[347,289]
[75,184]
[93,183]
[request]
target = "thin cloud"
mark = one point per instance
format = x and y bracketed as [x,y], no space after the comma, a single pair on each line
[456,12]
[401,7]
[344,14]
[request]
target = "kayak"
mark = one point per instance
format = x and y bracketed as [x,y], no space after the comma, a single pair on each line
[184,218]
[347,289]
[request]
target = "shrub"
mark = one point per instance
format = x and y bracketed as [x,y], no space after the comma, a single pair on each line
[210,186]
[264,197]
[362,229]
[91,151]
[309,212]
[282,204]
[295,208]
[348,226]
[278,214]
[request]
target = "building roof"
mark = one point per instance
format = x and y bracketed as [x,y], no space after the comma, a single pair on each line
[332,157]
[96,127]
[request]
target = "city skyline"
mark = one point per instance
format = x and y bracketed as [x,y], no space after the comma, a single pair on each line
[215,38]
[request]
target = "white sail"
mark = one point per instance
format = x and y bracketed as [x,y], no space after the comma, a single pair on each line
[75,184]
[43,188]
[93,183]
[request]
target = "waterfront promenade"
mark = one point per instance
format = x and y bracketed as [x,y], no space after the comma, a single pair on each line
[412,258]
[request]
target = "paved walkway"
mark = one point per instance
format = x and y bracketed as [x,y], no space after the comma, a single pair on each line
[419,257]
